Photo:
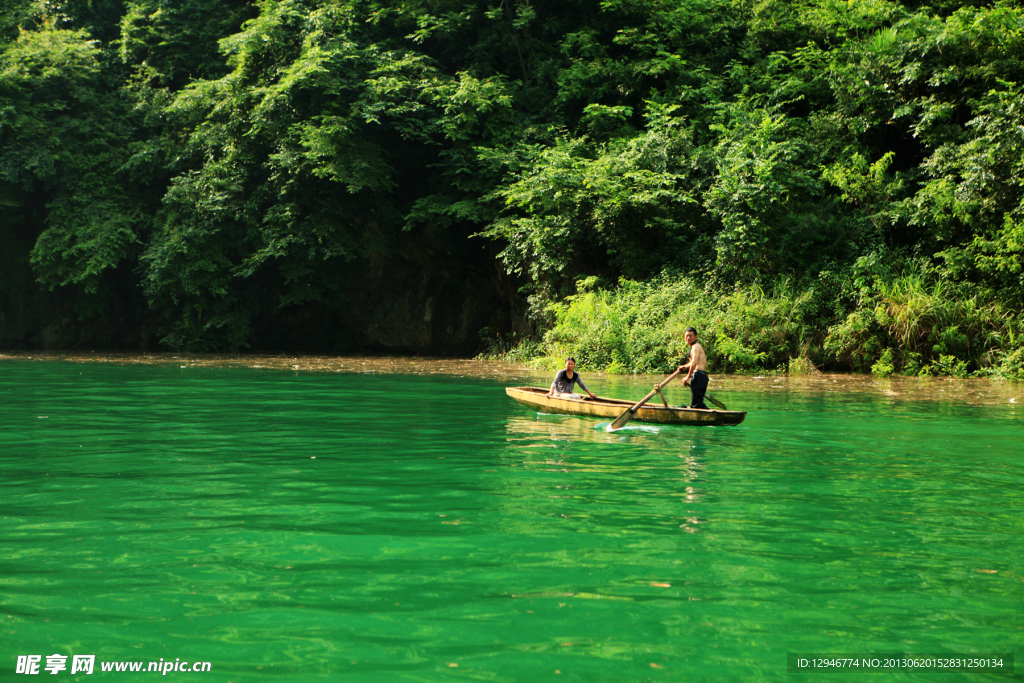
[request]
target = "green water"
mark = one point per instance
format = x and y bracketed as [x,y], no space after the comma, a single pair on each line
[364,527]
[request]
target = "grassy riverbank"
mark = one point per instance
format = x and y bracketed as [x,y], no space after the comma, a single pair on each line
[908,322]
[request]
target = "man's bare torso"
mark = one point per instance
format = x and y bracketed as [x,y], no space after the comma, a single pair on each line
[698,359]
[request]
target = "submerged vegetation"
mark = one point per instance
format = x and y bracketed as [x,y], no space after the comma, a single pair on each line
[812,184]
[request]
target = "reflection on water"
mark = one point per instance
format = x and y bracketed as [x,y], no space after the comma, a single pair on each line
[404,365]
[378,526]
[893,390]
[553,443]
[567,428]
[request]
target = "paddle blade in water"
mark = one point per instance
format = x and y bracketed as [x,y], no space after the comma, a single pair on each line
[621,420]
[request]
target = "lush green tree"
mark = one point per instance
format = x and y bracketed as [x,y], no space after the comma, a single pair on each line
[228,161]
[62,142]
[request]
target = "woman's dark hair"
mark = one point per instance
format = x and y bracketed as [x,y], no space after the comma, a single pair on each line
[570,358]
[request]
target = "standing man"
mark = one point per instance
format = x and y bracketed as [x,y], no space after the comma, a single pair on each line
[697,375]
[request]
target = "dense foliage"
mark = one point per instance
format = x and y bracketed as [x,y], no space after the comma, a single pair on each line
[840,181]
[904,322]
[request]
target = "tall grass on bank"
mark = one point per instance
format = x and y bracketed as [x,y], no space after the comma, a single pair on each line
[638,327]
[906,324]
[912,326]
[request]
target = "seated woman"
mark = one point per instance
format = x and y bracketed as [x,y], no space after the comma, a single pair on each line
[562,386]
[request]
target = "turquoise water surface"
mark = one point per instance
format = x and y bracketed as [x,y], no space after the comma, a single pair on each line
[304,526]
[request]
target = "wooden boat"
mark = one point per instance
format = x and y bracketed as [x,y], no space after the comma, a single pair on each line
[611,408]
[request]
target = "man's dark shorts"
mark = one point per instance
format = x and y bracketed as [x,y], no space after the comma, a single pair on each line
[698,387]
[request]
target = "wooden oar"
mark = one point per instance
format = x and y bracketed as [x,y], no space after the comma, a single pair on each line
[716,402]
[662,397]
[628,413]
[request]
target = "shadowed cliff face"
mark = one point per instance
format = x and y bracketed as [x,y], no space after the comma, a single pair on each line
[415,299]
[419,299]
[429,307]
